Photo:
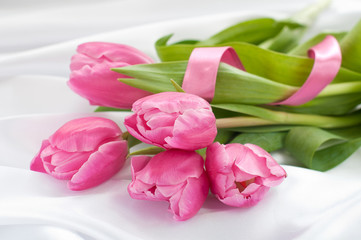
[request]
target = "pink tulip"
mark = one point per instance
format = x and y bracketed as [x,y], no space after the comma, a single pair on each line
[86,151]
[240,175]
[173,120]
[93,79]
[175,176]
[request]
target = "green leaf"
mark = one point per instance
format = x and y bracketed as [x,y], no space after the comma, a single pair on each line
[262,116]
[109,109]
[328,105]
[251,31]
[190,41]
[322,150]
[302,49]
[284,41]
[223,136]
[147,151]
[262,129]
[282,68]
[351,49]
[247,88]
[132,141]
[350,46]
[255,90]
[290,35]
[270,141]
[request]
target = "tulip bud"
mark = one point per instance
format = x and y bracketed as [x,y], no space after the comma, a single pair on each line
[93,79]
[175,176]
[173,120]
[86,151]
[240,175]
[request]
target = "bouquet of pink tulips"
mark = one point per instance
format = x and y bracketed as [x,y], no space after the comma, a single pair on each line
[213,110]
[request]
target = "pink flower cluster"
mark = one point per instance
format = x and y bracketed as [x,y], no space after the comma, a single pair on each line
[88,151]
[239,175]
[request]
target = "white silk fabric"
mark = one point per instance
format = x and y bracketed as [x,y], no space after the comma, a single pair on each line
[37,40]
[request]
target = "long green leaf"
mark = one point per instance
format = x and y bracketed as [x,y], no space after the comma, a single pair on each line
[287,69]
[262,129]
[351,49]
[284,41]
[255,90]
[251,31]
[328,105]
[110,109]
[270,141]
[290,70]
[247,88]
[301,50]
[322,150]
[263,116]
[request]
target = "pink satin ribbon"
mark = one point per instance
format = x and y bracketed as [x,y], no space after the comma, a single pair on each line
[201,73]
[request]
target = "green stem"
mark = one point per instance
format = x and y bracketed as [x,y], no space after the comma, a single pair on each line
[176,86]
[341,88]
[242,122]
[285,118]
[147,151]
[132,141]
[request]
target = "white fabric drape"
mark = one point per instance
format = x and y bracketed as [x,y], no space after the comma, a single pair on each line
[37,40]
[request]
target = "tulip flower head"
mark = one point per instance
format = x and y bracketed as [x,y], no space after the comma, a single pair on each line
[173,120]
[241,175]
[175,176]
[93,79]
[85,151]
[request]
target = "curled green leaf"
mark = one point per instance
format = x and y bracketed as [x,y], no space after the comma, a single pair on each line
[320,149]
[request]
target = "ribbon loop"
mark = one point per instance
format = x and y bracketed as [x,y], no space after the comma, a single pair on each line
[201,73]
[328,58]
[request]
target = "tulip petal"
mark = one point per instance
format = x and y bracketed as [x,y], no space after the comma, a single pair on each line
[130,123]
[84,134]
[158,135]
[190,199]
[272,181]
[37,163]
[143,191]
[218,159]
[78,61]
[274,167]
[247,199]
[169,190]
[100,86]
[250,163]
[160,119]
[172,167]
[138,163]
[193,130]
[101,166]
[240,175]
[66,162]
[114,52]
[63,175]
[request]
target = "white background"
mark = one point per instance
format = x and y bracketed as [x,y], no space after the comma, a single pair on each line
[37,40]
